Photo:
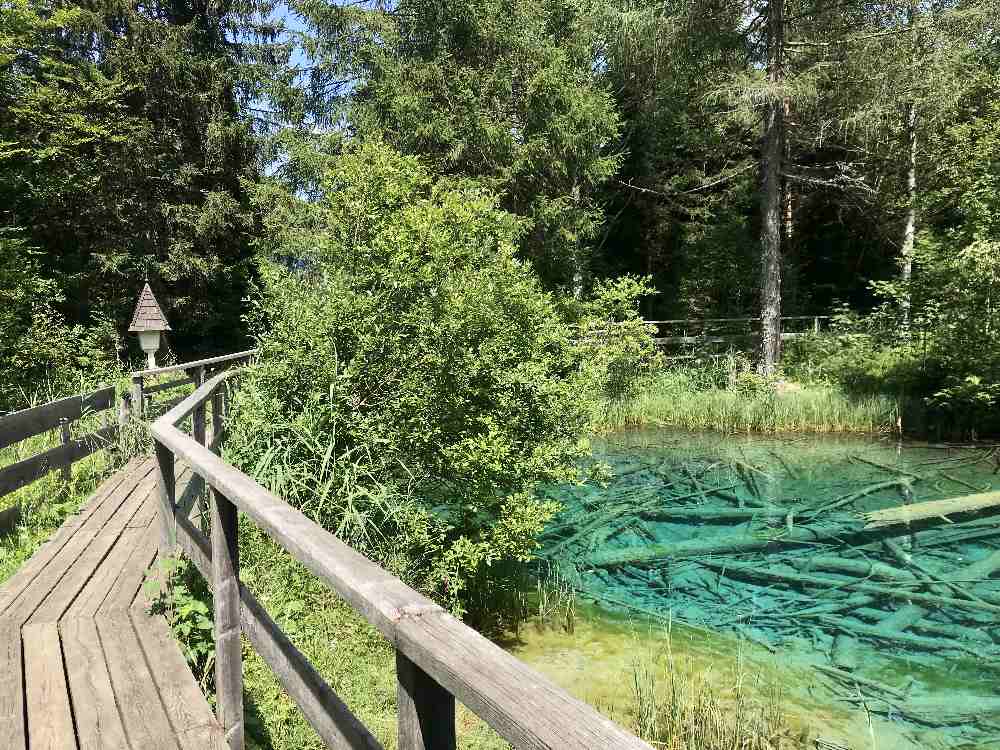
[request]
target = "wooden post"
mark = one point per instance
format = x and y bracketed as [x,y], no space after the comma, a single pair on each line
[226,598]
[217,426]
[137,396]
[124,404]
[426,710]
[166,482]
[816,325]
[67,470]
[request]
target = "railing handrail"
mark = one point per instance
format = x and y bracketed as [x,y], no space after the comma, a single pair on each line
[196,363]
[439,659]
[733,320]
[25,424]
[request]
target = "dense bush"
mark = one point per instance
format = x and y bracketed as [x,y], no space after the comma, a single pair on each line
[415,380]
[41,355]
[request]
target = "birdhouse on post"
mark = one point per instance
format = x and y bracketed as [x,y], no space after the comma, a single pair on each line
[148,321]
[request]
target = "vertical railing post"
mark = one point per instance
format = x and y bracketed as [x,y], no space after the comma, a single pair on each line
[226,599]
[426,710]
[198,418]
[166,483]
[67,470]
[137,396]
[816,325]
[217,425]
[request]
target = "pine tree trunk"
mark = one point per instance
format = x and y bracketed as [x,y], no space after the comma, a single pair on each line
[772,157]
[910,227]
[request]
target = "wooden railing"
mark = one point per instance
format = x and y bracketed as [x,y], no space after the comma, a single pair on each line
[726,330]
[438,658]
[190,373]
[60,414]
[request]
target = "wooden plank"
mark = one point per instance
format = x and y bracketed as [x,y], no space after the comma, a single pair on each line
[32,567]
[20,600]
[426,710]
[321,706]
[128,585]
[167,492]
[92,596]
[169,385]
[226,602]
[188,711]
[20,474]
[50,723]
[98,724]
[12,728]
[225,358]
[89,563]
[142,712]
[27,423]
[931,509]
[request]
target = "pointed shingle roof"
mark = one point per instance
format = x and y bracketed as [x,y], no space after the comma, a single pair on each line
[148,316]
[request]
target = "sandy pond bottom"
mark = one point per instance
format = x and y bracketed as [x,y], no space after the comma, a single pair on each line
[693,560]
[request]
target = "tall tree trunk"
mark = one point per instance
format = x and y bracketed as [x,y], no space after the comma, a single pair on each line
[910,226]
[772,158]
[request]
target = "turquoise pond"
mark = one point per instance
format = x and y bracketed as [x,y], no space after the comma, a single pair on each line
[883,637]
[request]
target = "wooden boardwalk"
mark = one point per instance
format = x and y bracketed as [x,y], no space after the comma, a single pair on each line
[82,664]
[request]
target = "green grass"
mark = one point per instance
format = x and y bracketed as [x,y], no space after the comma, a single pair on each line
[47,502]
[674,400]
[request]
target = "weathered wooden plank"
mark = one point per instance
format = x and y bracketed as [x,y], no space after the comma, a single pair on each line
[98,724]
[50,723]
[12,728]
[122,594]
[32,567]
[89,563]
[27,423]
[92,596]
[321,706]
[143,715]
[17,475]
[426,711]
[189,712]
[225,358]
[169,385]
[167,492]
[226,601]
[21,597]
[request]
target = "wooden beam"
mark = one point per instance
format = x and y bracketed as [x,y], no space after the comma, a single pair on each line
[225,358]
[226,601]
[21,425]
[426,710]
[23,473]
[321,706]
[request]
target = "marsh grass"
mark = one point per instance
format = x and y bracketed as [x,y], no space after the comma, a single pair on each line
[676,706]
[673,399]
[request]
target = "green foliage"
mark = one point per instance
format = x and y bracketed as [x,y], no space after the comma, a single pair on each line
[41,355]
[505,92]
[180,594]
[413,368]
[122,153]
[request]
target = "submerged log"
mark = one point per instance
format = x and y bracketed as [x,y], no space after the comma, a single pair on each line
[719,545]
[931,509]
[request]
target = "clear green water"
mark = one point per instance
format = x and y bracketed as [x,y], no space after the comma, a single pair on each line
[887,630]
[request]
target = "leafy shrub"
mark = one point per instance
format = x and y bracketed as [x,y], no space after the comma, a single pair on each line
[415,380]
[41,356]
